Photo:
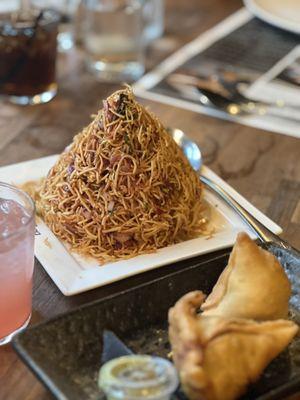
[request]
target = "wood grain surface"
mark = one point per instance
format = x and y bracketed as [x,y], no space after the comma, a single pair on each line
[264,167]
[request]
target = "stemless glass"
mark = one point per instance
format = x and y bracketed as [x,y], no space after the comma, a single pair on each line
[17,231]
[28,57]
[113,39]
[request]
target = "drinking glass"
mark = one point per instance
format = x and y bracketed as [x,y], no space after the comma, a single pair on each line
[113,39]
[28,56]
[17,230]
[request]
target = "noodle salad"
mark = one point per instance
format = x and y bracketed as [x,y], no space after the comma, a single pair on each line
[123,187]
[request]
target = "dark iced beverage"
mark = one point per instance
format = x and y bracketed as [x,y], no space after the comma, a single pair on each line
[27,57]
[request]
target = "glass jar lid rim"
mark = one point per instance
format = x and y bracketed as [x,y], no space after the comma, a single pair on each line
[167,378]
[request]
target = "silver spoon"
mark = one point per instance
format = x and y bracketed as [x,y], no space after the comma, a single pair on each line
[193,154]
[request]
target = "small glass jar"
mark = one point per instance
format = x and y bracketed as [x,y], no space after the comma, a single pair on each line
[138,377]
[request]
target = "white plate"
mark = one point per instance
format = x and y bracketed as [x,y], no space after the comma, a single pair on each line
[74,274]
[282,13]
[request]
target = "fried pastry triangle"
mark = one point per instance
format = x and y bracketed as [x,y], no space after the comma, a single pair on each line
[218,357]
[253,285]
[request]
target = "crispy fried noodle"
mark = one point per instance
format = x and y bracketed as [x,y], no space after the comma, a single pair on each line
[123,187]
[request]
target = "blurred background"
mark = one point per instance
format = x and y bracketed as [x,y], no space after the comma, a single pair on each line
[111,36]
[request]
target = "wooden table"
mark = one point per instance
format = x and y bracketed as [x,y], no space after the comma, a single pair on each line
[263,166]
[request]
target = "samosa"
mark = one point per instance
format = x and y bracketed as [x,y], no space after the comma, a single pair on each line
[217,357]
[253,285]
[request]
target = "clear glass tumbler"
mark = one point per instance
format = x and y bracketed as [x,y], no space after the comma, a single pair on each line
[113,39]
[17,231]
[28,57]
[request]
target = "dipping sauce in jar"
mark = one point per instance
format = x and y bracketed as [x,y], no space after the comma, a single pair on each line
[138,377]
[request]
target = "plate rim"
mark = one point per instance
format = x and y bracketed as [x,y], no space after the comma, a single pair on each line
[271,18]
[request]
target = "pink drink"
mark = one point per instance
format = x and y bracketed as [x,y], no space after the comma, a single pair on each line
[17,230]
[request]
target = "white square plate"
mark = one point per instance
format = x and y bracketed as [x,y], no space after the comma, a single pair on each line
[74,274]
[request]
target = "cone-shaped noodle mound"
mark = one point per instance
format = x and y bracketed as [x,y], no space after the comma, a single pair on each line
[123,187]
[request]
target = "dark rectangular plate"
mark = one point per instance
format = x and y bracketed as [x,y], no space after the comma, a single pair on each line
[65,352]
